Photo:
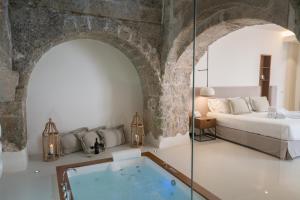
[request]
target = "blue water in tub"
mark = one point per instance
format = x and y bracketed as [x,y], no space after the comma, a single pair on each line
[143,180]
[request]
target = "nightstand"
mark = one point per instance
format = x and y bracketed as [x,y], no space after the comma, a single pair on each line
[207,127]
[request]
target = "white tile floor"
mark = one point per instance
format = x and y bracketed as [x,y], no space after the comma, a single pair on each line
[233,172]
[230,171]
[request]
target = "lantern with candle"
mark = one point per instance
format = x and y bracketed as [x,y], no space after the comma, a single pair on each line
[51,142]
[137,131]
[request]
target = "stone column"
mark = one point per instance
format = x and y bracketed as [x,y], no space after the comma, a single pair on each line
[8,81]
[8,78]
[5,36]
[175,102]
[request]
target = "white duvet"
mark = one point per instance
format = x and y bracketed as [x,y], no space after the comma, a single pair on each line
[284,129]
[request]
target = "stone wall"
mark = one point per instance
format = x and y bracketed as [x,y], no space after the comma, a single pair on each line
[145,11]
[5,36]
[156,36]
[294,19]
[8,79]
[37,26]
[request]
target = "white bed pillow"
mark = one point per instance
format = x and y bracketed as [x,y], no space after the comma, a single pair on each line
[260,104]
[238,106]
[219,105]
[248,101]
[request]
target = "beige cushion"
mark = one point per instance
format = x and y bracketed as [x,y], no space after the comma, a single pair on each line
[260,104]
[113,136]
[238,106]
[70,142]
[98,128]
[218,105]
[79,135]
[88,140]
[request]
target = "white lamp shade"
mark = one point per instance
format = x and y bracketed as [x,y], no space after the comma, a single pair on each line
[207,92]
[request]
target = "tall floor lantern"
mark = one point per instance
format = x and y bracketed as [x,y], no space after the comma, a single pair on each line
[137,131]
[51,142]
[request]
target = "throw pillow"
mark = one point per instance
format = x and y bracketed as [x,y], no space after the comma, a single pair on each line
[70,142]
[113,136]
[248,101]
[238,106]
[98,128]
[88,140]
[260,104]
[218,105]
[79,135]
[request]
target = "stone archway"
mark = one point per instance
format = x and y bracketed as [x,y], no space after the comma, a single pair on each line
[155,47]
[213,23]
[33,45]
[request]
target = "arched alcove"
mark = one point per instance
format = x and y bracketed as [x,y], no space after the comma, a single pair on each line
[127,39]
[81,83]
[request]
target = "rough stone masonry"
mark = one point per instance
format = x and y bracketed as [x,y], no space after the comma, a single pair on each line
[155,35]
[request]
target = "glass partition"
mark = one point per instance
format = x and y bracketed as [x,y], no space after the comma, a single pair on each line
[246,104]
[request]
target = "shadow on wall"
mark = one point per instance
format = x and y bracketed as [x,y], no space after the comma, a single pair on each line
[81,83]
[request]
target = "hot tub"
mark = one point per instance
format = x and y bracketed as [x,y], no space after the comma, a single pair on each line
[144,178]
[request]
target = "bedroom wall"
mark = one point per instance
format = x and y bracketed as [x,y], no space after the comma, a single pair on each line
[297,88]
[291,76]
[292,97]
[81,83]
[234,59]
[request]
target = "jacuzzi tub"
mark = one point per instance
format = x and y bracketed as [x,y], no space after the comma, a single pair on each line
[133,179]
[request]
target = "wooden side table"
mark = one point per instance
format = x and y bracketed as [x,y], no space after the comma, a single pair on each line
[204,123]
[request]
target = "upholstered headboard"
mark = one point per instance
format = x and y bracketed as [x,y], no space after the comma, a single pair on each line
[236,91]
[227,92]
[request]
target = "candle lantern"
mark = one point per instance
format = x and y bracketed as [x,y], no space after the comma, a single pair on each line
[137,131]
[51,142]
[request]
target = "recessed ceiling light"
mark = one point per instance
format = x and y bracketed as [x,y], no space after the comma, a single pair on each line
[266,192]
[37,171]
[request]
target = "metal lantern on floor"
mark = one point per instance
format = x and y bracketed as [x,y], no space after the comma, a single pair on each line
[51,142]
[137,131]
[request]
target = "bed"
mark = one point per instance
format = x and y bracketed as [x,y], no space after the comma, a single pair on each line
[277,137]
